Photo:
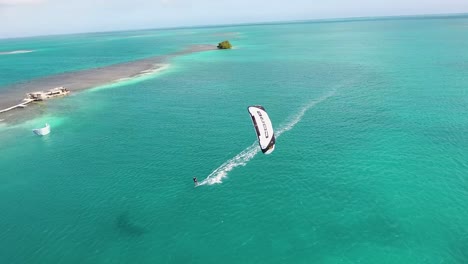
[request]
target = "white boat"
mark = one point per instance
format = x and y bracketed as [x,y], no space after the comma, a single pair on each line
[42,131]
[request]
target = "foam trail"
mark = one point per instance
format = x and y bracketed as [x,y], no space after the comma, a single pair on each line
[302,112]
[240,159]
[247,154]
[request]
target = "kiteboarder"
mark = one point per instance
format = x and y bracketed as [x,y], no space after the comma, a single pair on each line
[195,181]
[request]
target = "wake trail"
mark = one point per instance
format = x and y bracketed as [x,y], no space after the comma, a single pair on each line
[298,117]
[240,159]
[249,153]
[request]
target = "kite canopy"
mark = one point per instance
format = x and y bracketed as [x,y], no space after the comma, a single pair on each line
[263,127]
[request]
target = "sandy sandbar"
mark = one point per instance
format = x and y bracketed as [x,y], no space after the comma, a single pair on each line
[86,79]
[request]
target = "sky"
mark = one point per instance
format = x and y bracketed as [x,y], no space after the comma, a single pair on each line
[19,18]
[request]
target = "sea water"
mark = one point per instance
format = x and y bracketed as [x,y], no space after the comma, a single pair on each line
[370,164]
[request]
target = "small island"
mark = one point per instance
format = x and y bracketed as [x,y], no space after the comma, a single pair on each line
[224,45]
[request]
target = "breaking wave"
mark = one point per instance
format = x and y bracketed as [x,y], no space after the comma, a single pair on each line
[15,52]
[143,75]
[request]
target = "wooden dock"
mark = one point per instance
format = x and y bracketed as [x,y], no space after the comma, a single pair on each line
[22,105]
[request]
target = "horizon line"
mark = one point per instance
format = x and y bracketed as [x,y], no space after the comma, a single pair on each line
[313,20]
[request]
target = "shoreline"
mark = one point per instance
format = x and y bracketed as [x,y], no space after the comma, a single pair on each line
[87,79]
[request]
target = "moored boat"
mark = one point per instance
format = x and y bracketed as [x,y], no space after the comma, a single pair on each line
[42,131]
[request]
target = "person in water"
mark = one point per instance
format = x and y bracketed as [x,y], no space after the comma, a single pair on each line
[195,180]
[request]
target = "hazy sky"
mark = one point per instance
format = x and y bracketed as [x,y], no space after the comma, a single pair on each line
[41,17]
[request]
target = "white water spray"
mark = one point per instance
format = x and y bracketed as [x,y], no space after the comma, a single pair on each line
[247,154]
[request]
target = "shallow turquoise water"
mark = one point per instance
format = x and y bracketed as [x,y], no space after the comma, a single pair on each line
[370,165]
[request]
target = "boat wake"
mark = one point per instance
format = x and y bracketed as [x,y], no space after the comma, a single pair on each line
[248,153]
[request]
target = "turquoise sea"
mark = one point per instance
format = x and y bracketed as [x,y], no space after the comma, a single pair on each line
[370,165]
